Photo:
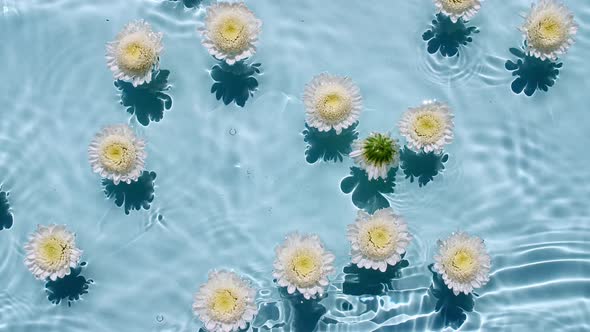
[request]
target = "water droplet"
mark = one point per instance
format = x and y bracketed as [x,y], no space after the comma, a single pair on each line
[159,318]
[233,131]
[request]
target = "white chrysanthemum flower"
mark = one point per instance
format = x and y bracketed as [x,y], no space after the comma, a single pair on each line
[117,154]
[303,264]
[135,53]
[378,240]
[51,252]
[376,154]
[456,9]
[463,262]
[226,302]
[332,102]
[231,31]
[428,127]
[549,29]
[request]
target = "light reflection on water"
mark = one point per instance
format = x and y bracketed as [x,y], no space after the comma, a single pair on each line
[232,180]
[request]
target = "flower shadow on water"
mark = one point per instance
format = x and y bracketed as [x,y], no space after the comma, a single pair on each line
[328,145]
[532,73]
[234,83]
[446,37]
[6,217]
[135,195]
[451,308]
[189,3]
[305,314]
[422,166]
[70,287]
[361,281]
[368,194]
[149,100]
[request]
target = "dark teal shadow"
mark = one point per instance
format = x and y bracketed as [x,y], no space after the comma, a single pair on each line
[531,73]
[450,308]
[327,145]
[133,196]
[422,166]
[361,281]
[149,100]
[6,217]
[368,194]
[70,288]
[189,3]
[447,37]
[303,315]
[234,83]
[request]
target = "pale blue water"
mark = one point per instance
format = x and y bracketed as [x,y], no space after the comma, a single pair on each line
[232,181]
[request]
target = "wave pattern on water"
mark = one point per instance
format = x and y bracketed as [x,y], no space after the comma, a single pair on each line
[233,180]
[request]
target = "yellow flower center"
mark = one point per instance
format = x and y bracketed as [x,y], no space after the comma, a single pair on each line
[136,55]
[118,155]
[428,127]
[304,265]
[378,242]
[53,253]
[547,33]
[231,35]
[226,305]
[462,265]
[457,6]
[379,237]
[334,107]
[304,268]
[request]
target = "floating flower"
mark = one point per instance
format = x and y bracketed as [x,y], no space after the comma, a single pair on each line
[303,264]
[135,53]
[456,9]
[376,154]
[225,302]
[117,154]
[332,102]
[51,252]
[463,262]
[549,29]
[231,31]
[378,240]
[428,127]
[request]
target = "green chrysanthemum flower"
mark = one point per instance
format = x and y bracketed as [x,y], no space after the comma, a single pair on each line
[376,154]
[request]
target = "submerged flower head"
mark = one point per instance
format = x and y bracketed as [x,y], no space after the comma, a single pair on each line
[378,240]
[549,29]
[225,302]
[231,31]
[51,252]
[135,53]
[303,264]
[428,127]
[456,9]
[332,102]
[117,154]
[463,262]
[376,154]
